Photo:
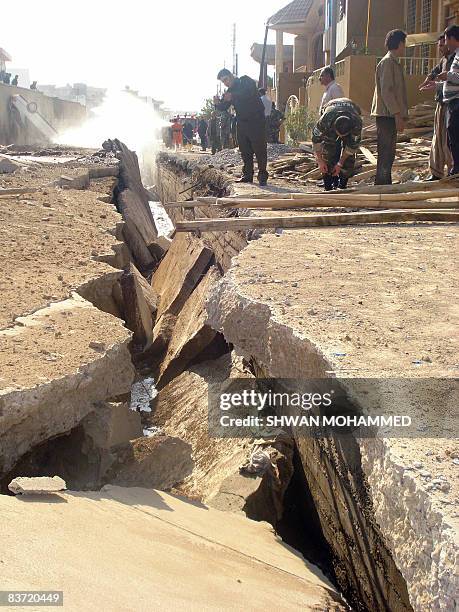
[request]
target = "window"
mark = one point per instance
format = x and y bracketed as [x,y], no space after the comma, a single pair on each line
[426,15]
[411,17]
[342,9]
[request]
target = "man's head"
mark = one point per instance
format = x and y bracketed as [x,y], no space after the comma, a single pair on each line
[343,125]
[226,77]
[327,76]
[274,105]
[452,37]
[396,42]
[262,91]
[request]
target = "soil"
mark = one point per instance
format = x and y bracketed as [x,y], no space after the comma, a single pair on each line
[51,238]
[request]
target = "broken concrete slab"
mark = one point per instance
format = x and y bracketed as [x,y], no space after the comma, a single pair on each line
[9,166]
[81,181]
[111,424]
[179,272]
[97,172]
[53,374]
[140,306]
[193,554]
[182,409]
[37,486]
[158,462]
[191,335]
[344,328]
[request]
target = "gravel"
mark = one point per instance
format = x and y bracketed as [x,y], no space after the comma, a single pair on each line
[233,156]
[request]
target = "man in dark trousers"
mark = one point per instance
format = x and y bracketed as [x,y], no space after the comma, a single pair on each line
[213,132]
[243,94]
[340,122]
[202,131]
[390,104]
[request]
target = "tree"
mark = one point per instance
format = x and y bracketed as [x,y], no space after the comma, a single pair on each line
[299,124]
[208,108]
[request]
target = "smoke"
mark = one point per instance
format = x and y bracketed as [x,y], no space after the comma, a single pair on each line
[124,116]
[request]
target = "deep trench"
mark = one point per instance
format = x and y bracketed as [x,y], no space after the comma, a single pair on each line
[75,458]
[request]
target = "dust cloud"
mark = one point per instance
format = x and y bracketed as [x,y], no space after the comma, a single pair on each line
[124,116]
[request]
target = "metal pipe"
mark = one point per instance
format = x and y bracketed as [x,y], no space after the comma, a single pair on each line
[368,25]
[334,18]
[261,79]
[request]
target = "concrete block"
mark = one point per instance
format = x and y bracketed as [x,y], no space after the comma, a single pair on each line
[8,166]
[190,335]
[37,486]
[179,272]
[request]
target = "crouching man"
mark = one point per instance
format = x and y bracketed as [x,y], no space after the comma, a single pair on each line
[336,139]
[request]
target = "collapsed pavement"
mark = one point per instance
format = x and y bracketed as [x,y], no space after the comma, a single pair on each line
[187,304]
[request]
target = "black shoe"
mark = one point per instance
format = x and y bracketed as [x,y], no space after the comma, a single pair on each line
[328,182]
[342,182]
[433,178]
[263,182]
[244,179]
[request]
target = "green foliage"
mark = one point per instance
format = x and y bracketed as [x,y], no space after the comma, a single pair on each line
[300,123]
[208,108]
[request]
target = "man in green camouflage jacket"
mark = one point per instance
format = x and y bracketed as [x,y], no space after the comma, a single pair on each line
[336,139]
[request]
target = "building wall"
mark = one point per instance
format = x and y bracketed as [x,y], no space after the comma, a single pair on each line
[356,74]
[60,114]
[385,15]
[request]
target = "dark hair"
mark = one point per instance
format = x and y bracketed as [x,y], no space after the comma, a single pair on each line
[343,125]
[441,37]
[262,91]
[328,71]
[452,32]
[394,38]
[274,105]
[224,73]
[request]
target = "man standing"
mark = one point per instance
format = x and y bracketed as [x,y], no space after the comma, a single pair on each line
[225,129]
[202,131]
[440,154]
[243,94]
[214,133]
[188,134]
[340,122]
[451,95]
[390,104]
[275,122]
[333,89]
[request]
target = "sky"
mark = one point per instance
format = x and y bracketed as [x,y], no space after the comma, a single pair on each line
[170,51]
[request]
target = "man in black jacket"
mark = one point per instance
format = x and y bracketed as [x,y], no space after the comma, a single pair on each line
[243,94]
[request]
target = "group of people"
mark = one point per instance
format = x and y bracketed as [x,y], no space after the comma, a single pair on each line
[5,78]
[180,134]
[217,131]
[337,135]
[273,117]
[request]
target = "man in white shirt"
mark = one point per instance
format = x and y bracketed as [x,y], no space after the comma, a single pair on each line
[333,90]
[267,102]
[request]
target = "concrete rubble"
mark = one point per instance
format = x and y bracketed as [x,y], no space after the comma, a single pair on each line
[95,299]
[37,486]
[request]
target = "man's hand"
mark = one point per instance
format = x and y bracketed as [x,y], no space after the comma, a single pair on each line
[323,166]
[227,97]
[427,85]
[336,170]
[400,124]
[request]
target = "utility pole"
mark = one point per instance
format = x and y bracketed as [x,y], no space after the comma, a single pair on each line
[334,19]
[235,58]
